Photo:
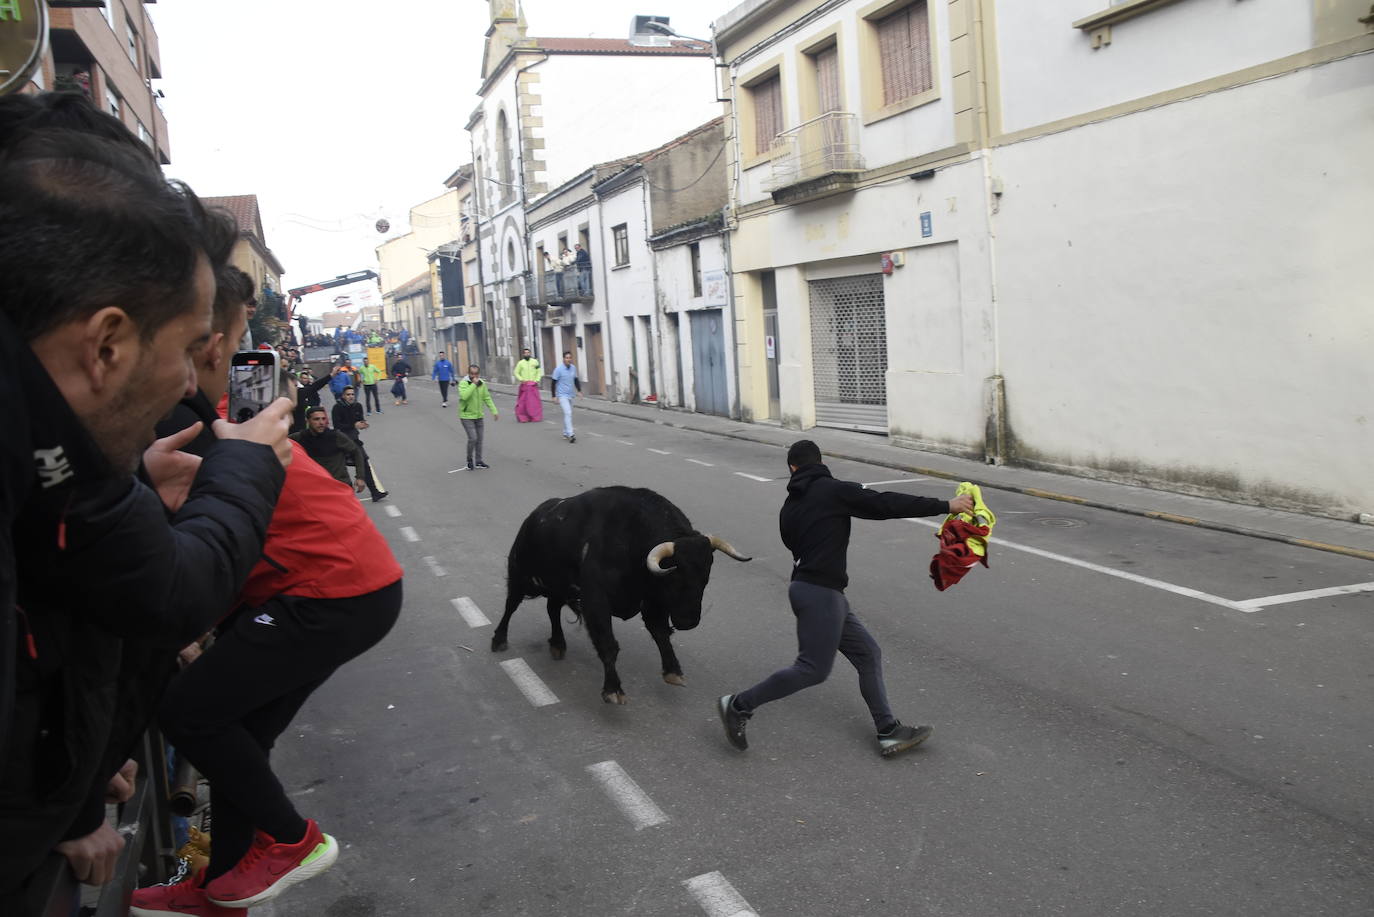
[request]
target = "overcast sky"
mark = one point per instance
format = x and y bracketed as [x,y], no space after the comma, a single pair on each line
[336,113]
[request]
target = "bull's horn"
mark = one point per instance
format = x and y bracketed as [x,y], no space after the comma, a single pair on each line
[660,553]
[723,546]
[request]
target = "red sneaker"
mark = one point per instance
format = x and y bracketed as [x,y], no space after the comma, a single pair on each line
[269,868]
[183,898]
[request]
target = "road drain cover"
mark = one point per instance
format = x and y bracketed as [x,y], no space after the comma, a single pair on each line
[1062,522]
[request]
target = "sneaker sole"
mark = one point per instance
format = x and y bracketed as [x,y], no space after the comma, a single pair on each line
[319,861]
[903,746]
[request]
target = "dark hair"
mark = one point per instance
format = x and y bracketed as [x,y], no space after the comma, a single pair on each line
[802,453]
[315,410]
[567,353]
[88,221]
[233,288]
[347,388]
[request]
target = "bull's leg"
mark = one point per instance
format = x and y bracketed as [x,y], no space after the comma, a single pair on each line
[598,621]
[662,633]
[558,647]
[498,637]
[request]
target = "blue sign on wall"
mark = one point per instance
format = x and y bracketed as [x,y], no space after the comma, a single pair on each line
[926,229]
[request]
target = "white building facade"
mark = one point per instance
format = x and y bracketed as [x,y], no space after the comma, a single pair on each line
[548,107]
[1115,242]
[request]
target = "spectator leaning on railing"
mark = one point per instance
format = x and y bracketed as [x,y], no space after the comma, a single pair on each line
[106,281]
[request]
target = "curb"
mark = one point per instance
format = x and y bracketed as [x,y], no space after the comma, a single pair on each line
[1159,515]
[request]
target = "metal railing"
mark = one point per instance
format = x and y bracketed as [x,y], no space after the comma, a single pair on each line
[816,148]
[568,285]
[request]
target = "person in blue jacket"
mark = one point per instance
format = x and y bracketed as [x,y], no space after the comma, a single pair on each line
[444,373]
[342,379]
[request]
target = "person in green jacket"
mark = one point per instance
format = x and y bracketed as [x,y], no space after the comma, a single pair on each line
[474,396]
[371,375]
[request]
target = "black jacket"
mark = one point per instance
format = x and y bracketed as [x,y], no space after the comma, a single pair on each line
[814,521]
[345,417]
[109,590]
[332,450]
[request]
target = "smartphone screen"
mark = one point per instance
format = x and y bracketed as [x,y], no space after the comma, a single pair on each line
[252,383]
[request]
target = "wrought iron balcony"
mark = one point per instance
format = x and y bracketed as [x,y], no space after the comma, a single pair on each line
[562,287]
[821,157]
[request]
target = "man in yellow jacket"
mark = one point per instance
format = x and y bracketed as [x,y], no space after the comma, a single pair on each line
[528,372]
[474,398]
[370,376]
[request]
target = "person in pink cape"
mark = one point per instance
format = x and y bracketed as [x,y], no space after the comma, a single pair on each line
[528,407]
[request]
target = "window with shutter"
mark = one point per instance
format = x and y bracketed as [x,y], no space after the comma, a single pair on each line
[904,53]
[767,97]
[828,80]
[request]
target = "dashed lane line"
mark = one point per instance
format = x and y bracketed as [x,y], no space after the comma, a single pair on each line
[597,435]
[661,451]
[700,462]
[1109,571]
[753,477]
[717,896]
[625,442]
[1266,601]
[626,794]
[470,612]
[392,510]
[898,481]
[530,684]
[409,533]
[434,566]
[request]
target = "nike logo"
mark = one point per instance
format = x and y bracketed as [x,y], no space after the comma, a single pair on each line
[265,618]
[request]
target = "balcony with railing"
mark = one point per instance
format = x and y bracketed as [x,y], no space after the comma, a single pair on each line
[820,157]
[563,287]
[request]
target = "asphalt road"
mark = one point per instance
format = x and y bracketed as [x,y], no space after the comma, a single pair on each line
[1120,727]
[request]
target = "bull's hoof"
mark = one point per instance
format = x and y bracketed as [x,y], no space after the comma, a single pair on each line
[557,652]
[498,645]
[614,697]
[675,678]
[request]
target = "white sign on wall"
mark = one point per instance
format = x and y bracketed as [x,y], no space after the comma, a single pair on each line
[713,288]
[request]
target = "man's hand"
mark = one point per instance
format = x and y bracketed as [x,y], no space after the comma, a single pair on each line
[359,485]
[190,653]
[121,786]
[362,425]
[961,504]
[268,428]
[94,856]
[170,470]
[335,369]
[496,417]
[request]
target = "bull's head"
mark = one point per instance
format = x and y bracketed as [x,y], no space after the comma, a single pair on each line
[682,569]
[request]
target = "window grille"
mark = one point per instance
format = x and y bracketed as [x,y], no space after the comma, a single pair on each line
[849,352]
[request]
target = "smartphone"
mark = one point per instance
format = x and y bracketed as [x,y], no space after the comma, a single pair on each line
[253,379]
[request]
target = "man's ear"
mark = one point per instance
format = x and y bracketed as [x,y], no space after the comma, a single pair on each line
[110,347]
[212,358]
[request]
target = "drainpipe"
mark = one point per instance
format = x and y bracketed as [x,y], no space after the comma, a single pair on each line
[734,328]
[656,339]
[607,333]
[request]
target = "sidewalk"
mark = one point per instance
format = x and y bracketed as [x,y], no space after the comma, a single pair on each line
[1348,538]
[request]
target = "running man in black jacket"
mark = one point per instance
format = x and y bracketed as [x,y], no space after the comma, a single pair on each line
[815,527]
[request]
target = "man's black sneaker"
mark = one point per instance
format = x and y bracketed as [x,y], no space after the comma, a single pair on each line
[381,496]
[900,738]
[470,466]
[573,438]
[483,465]
[734,721]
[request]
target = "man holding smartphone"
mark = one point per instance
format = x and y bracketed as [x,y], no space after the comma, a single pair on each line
[474,399]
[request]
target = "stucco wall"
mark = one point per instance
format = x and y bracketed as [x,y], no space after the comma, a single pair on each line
[1185,296]
[628,290]
[677,295]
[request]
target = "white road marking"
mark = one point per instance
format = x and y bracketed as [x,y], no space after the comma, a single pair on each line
[409,533]
[661,451]
[530,685]
[548,421]
[590,433]
[456,470]
[392,510]
[717,896]
[753,477]
[898,481]
[1266,601]
[625,793]
[434,566]
[1109,571]
[700,462]
[470,612]
[624,442]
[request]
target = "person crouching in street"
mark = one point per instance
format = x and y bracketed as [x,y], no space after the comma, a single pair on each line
[815,524]
[307,608]
[330,449]
[474,397]
[348,420]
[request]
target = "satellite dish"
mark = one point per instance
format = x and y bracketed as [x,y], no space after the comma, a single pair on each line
[383,225]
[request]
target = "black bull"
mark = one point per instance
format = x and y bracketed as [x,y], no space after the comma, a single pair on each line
[612,552]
